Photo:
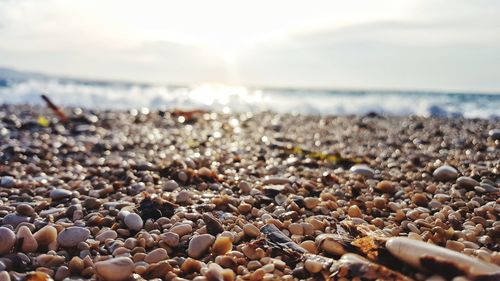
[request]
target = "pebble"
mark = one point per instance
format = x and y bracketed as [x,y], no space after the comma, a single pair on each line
[214,226]
[311,202]
[62,272]
[170,186]
[71,236]
[14,219]
[386,187]
[29,244]
[7,240]
[455,245]
[329,244]
[198,245]
[116,269]
[467,182]
[410,251]
[222,245]
[251,230]
[182,229]
[60,193]
[183,196]
[7,181]
[363,170]
[46,235]
[108,234]
[133,221]
[445,173]
[25,210]
[296,229]
[245,187]
[494,134]
[156,255]
[313,265]
[171,239]
[354,211]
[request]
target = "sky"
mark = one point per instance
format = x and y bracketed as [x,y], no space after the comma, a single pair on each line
[450,45]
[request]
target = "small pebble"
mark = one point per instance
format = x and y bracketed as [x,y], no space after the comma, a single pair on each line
[29,244]
[445,173]
[467,182]
[60,193]
[363,170]
[222,245]
[7,181]
[171,239]
[116,269]
[133,221]
[156,255]
[182,229]
[25,210]
[251,230]
[71,236]
[170,186]
[7,240]
[198,245]
[386,186]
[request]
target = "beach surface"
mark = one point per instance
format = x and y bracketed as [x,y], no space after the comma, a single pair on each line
[197,195]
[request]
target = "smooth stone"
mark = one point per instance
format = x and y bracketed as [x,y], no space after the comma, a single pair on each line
[29,244]
[214,226]
[14,219]
[71,236]
[60,193]
[156,255]
[46,235]
[7,240]
[7,181]
[276,180]
[251,230]
[244,187]
[494,134]
[108,234]
[171,238]
[222,245]
[133,221]
[411,251]
[116,269]
[170,185]
[445,173]
[312,265]
[25,210]
[4,276]
[467,182]
[199,245]
[330,244]
[183,196]
[363,170]
[182,229]
[61,273]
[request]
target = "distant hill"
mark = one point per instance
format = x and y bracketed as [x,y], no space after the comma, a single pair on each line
[10,73]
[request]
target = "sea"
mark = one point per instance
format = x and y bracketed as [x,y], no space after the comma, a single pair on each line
[26,89]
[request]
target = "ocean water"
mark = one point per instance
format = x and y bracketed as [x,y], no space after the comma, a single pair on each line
[217,97]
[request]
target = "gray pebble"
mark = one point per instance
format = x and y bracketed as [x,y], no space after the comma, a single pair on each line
[71,236]
[363,170]
[60,193]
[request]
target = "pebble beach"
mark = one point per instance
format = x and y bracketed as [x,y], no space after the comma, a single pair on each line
[196,195]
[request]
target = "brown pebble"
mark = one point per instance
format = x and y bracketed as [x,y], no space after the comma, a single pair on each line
[25,210]
[386,186]
[354,211]
[222,245]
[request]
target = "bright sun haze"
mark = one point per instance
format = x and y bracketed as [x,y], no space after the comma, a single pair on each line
[388,44]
